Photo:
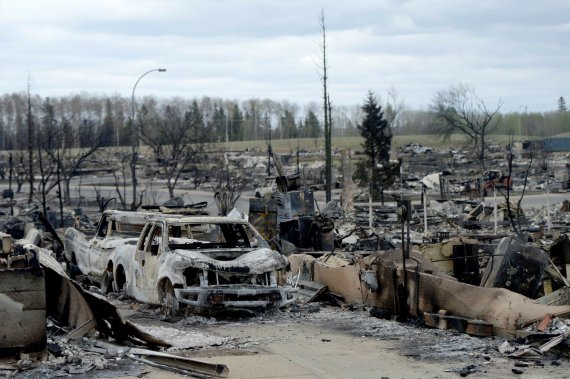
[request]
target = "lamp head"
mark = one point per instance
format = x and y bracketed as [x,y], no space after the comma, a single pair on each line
[161,69]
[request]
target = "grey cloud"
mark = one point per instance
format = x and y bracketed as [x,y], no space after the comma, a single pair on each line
[510,50]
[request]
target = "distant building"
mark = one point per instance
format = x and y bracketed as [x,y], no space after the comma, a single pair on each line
[556,144]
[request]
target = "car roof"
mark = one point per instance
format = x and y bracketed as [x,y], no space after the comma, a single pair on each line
[134,217]
[200,219]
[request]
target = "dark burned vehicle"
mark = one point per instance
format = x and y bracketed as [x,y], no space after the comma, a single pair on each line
[207,265]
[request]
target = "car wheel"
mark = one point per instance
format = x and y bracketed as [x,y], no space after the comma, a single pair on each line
[171,306]
[107,282]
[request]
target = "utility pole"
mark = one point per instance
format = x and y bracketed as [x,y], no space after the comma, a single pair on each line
[30,146]
[326,111]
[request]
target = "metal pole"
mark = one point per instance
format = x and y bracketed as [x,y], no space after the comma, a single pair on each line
[135,136]
[404,295]
[370,200]
[548,223]
[495,208]
[11,162]
[424,193]
[133,95]
[227,136]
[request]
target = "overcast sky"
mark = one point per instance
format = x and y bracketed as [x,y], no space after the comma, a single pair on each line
[514,51]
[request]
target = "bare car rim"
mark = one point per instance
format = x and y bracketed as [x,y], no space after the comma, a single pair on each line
[169,300]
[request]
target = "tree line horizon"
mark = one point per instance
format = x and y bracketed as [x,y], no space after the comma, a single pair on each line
[107,118]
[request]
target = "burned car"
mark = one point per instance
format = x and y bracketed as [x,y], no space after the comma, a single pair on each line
[205,264]
[91,256]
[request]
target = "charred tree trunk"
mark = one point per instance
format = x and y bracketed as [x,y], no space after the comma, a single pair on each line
[30,147]
[515,220]
[326,110]
[59,194]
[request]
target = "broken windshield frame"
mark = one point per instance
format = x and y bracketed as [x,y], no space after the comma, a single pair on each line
[185,235]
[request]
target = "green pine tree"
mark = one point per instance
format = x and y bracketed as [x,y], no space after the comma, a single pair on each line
[562,105]
[377,135]
[312,125]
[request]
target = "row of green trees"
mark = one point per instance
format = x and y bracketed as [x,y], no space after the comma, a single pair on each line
[107,118]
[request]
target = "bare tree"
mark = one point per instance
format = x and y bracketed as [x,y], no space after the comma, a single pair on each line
[21,173]
[393,108]
[48,138]
[516,214]
[70,160]
[176,140]
[458,109]
[47,179]
[57,161]
[230,181]
[120,163]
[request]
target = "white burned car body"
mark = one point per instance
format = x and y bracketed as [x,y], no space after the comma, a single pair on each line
[91,255]
[207,264]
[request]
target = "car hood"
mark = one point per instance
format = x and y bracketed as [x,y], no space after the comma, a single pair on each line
[256,261]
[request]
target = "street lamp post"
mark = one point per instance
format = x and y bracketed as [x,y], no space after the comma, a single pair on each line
[135,137]
[133,95]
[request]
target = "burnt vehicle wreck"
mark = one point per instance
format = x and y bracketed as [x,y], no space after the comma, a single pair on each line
[207,265]
[91,255]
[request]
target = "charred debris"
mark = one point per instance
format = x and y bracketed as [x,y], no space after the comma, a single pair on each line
[450,251]
[447,251]
[52,325]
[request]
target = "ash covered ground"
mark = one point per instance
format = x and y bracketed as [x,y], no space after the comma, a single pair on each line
[453,354]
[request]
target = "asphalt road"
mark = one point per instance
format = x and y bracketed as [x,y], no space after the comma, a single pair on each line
[157,193]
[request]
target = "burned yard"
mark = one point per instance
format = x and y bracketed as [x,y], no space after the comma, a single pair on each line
[436,281]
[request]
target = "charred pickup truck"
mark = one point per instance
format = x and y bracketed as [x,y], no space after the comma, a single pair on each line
[207,265]
[90,256]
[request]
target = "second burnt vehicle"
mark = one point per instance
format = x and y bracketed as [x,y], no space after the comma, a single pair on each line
[207,265]
[90,255]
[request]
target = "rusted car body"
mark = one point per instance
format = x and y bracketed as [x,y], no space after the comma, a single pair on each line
[204,264]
